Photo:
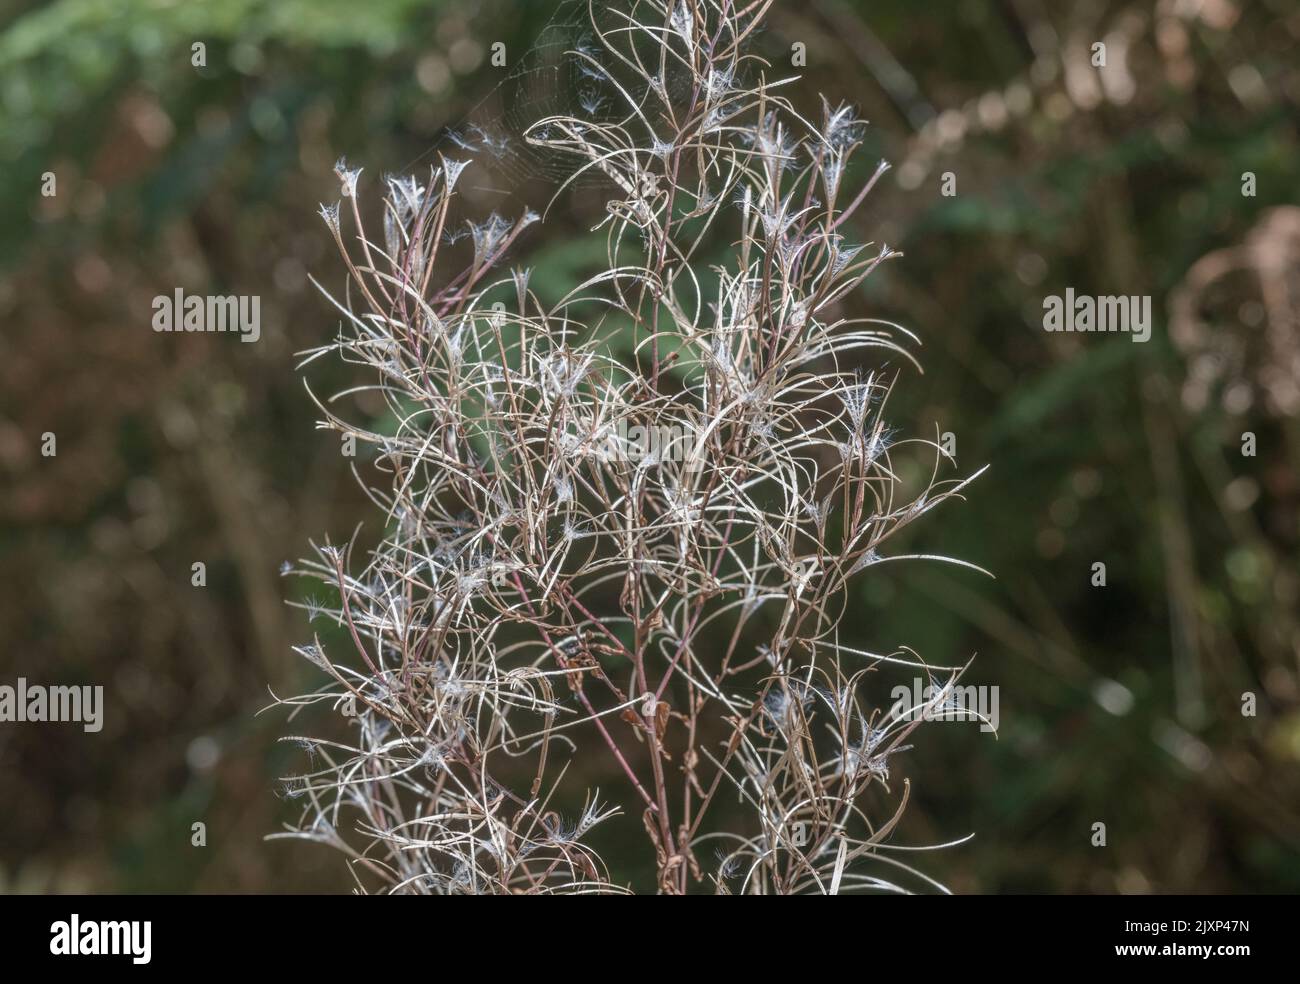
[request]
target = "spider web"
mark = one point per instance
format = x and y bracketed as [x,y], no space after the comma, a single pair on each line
[567,72]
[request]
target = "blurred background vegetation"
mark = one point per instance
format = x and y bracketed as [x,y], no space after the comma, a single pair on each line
[1120,704]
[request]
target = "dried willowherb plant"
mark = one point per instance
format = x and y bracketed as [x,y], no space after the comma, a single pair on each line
[604,557]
